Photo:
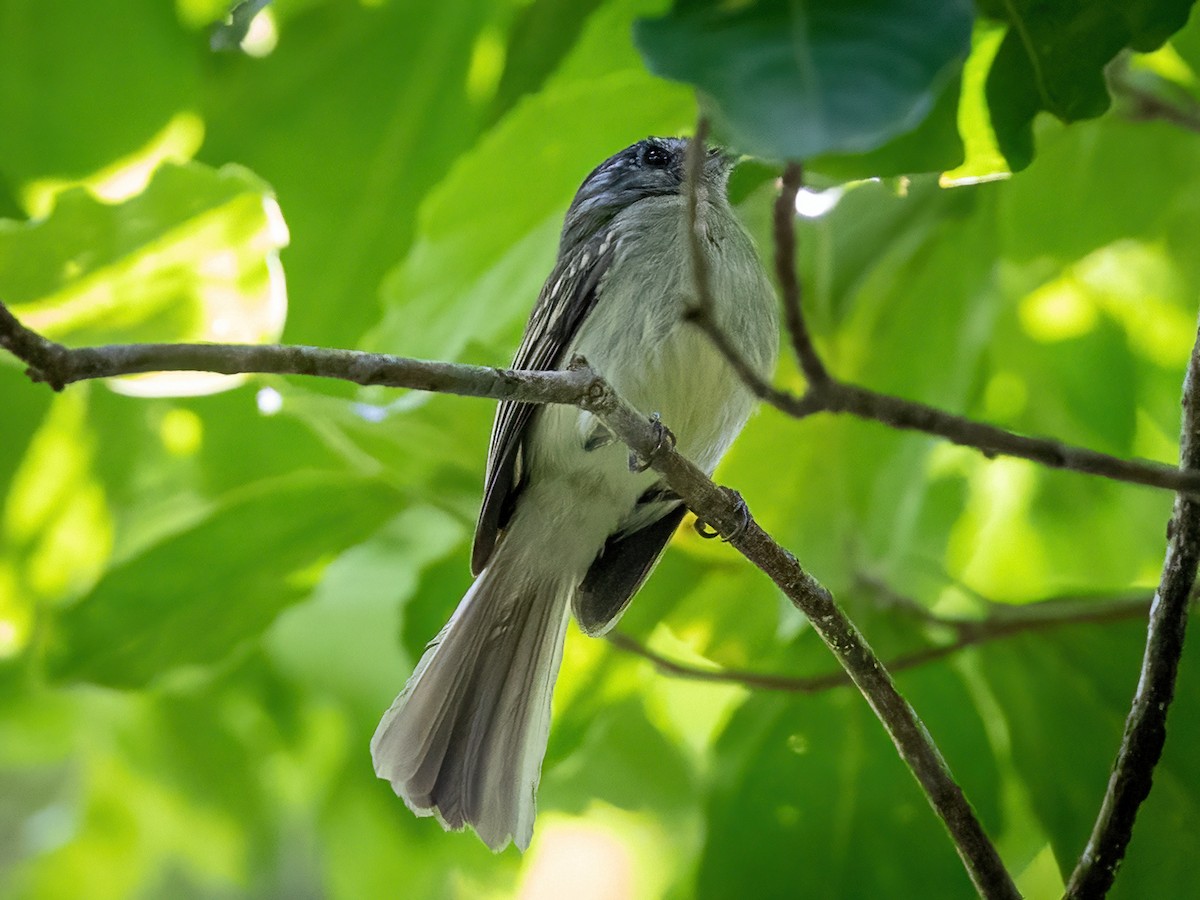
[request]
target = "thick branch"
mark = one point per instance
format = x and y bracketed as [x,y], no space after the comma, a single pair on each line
[1002,623]
[1146,727]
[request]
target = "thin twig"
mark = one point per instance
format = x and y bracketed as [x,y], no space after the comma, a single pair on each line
[1146,726]
[1033,617]
[789,284]
[896,412]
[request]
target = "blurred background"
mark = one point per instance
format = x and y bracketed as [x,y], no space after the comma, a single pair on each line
[211,588]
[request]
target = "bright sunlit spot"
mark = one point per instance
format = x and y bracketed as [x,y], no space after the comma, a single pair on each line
[582,861]
[369,412]
[181,431]
[263,35]
[812,204]
[949,180]
[269,401]
[1058,311]
[10,639]
[487,65]
[277,230]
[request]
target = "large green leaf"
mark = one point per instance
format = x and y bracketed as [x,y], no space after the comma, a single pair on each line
[798,80]
[488,234]
[95,272]
[807,789]
[1065,698]
[195,256]
[84,85]
[194,597]
[1053,59]
[354,115]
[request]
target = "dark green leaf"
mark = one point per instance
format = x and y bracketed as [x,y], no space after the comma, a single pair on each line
[1053,59]
[789,769]
[1065,698]
[805,79]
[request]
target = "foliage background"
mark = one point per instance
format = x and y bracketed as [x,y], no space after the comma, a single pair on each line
[206,603]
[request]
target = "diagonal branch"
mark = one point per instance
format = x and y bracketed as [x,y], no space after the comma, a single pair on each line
[908,734]
[1146,726]
[721,508]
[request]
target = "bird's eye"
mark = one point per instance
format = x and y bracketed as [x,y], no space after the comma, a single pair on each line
[657,157]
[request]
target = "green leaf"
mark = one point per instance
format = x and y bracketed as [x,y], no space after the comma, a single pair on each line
[195,596]
[542,33]
[488,234]
[57,529]
[798,80]
[359,110]
[655,775]
[1065,697]
[933,146]
[1065,207]
[1053,59]
[193,257]
[84,84]
[807,788]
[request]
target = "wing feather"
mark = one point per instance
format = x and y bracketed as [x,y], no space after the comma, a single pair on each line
[565,300]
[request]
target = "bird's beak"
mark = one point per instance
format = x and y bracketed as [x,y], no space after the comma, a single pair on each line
[718,165]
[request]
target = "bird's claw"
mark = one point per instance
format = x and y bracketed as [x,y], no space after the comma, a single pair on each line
[706,531]
[665,441]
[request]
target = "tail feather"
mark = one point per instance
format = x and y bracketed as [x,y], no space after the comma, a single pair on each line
[465,739]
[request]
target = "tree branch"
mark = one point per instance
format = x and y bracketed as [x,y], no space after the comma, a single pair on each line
[732,520]
[827,394]
[59,366]
[1146,726]
[1001,622]
[721,508]
[789,284]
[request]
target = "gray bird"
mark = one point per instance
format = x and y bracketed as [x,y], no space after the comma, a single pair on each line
[567,522]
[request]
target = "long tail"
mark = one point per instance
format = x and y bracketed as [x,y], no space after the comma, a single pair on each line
[465,739]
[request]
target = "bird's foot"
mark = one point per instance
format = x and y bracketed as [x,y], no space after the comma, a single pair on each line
[665,440]
[742,511]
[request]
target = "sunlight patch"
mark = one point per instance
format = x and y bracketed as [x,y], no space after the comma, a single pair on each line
[128,176]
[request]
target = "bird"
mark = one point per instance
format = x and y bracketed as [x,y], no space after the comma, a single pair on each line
[568,523]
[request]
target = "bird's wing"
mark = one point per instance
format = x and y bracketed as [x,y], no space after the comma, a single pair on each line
[616,574]
[566,298]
